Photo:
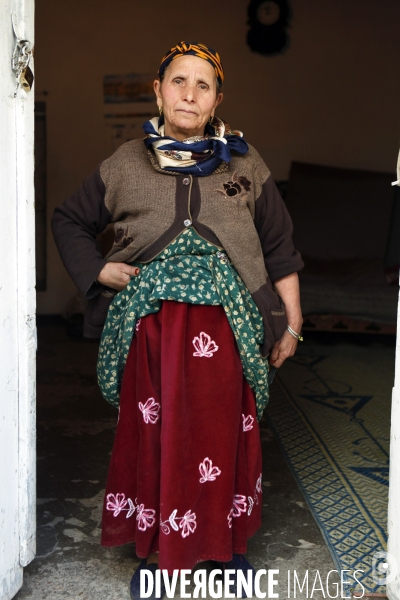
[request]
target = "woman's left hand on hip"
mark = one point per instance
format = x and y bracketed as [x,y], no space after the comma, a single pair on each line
[282,350]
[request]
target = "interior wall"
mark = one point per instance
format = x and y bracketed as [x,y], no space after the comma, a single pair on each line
[332,98]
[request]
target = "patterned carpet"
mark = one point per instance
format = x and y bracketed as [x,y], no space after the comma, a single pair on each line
[330,410]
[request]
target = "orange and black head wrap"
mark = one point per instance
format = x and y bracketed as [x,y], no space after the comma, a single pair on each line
[194,49]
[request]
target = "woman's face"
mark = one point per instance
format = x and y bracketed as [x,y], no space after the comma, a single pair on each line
[188,96]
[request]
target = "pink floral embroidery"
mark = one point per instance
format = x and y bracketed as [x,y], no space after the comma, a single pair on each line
[204,345]
[145,517]
[251,504]
[150,411]
[116,503]
[137,325]
[164,528]
[188,523]
[247,422]
[132,508]
[172,520]
[239,505]
[229,517]
[207,471]
[257,491]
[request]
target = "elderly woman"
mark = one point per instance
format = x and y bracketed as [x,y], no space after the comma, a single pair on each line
[208,301]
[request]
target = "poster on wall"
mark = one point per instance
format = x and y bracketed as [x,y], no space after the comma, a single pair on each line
[129,101]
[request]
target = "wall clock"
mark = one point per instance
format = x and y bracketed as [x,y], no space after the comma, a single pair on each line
[268,20]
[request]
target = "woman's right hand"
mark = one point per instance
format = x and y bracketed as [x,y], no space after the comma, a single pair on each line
[117,275]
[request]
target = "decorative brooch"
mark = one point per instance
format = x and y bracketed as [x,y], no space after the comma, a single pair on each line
[239,185]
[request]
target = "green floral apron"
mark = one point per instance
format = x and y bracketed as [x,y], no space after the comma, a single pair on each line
[189,270]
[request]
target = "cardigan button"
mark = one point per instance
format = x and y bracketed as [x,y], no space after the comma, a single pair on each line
[186,181]
[187,222]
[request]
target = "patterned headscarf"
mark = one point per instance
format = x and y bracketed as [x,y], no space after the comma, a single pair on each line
[194,49]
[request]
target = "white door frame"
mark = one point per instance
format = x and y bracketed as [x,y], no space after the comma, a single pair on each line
[393,585]
[17,310]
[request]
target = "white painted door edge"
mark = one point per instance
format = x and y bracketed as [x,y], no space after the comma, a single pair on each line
[393,580]
[24,128]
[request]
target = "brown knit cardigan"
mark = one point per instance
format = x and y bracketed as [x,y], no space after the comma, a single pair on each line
[237,208]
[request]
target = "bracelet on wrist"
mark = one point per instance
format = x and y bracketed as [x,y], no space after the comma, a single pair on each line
[297,336]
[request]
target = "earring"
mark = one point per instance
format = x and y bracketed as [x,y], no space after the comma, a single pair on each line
[211,119]
[160,110]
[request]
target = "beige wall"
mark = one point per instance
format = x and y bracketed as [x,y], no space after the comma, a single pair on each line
[332,98]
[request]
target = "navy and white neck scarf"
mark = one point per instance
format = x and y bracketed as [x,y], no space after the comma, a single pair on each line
[196,155]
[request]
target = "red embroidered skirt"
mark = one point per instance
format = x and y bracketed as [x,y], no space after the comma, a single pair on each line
[185,472]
